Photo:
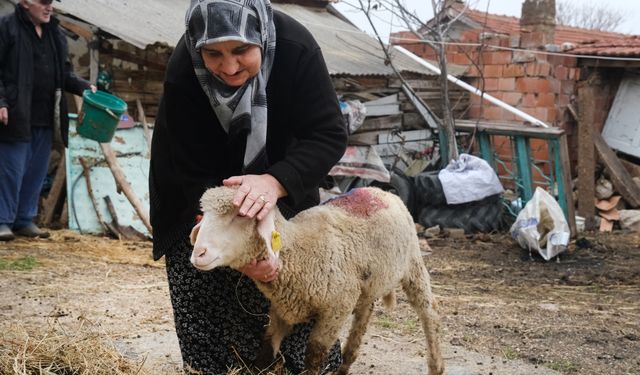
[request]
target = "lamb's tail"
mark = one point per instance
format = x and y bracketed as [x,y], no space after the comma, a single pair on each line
[389,300]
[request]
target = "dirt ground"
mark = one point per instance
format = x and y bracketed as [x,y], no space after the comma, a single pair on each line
[503,312]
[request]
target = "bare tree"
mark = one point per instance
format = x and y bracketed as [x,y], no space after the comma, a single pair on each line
[589,15]
[436,32]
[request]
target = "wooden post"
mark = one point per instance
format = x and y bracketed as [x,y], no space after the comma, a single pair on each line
[620,178]
[50,204]
[143,119]
[123,185]
[586,151]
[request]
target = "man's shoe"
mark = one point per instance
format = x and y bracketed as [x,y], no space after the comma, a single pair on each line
[5,233]
[31,230]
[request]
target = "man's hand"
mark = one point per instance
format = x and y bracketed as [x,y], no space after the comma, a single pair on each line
[4,115]
[263,270]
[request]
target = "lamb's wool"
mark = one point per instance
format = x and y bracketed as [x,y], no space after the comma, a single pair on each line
[337,259]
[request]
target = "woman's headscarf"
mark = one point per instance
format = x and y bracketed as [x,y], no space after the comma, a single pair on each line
[241,111]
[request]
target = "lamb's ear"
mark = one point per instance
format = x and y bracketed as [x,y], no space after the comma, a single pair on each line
[194,233]
[266,227]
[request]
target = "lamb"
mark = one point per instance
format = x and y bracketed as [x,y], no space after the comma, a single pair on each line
[336,259]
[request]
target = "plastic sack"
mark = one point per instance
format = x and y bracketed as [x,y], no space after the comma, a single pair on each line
[354,113]
[469,179]
[361,161]
[541,222]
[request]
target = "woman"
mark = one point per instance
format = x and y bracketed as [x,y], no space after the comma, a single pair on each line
[247,102]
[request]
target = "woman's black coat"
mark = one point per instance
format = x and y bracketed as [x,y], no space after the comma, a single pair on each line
[306,135]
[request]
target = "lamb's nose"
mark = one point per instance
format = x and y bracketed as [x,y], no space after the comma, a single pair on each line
[198,254]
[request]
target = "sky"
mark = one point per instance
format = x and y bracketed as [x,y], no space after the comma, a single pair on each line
[383,20]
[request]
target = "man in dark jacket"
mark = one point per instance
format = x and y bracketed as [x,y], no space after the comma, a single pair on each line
[34,69]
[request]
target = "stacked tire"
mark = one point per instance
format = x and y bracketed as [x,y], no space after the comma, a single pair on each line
[431,208]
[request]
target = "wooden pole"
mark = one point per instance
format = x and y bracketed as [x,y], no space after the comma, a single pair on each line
[123,185]
[586,152]
[143,119]
[86,171]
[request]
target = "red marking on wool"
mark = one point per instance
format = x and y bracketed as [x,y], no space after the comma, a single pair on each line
[359,202]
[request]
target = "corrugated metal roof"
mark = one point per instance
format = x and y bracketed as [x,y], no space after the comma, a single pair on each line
[346,49]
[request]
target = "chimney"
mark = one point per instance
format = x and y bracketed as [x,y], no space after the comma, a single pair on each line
[537,23]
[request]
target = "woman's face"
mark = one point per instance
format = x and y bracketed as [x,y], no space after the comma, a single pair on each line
[232,61]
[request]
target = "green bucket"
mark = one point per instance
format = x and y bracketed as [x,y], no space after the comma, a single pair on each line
[100,115]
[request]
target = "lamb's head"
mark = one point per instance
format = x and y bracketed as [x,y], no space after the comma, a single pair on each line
[223,238]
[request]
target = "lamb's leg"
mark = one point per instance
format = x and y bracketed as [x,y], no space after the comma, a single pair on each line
[276,331]
[323,335]
[417,285]
[361,316]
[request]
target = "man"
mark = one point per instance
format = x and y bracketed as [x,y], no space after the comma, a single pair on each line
[34,69]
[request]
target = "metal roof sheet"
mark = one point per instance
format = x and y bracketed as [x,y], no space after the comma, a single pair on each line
[346,49]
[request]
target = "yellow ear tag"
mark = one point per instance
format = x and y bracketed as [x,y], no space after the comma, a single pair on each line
[276,241]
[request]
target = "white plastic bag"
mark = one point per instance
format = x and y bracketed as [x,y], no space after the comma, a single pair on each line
[541,222]
[468,179]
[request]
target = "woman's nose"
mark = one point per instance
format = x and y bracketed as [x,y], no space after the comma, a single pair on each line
[229,65]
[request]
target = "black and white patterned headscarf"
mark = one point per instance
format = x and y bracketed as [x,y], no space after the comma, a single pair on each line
[241,111]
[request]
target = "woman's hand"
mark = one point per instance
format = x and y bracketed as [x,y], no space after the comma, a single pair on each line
[263,270]
[256,195]
[4,115]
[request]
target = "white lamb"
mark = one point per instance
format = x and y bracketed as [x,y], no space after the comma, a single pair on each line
[336,259]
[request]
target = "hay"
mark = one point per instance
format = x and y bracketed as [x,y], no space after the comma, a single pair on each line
[63,351]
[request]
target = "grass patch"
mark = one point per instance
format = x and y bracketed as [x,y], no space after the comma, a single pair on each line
[562,366]
[509,354]
[386,322]
[26,263]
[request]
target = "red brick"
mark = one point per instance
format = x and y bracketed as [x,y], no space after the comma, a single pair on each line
[564,100]
[533,85]
[529,100]
[493,113]
[567,61]
[513,70]
[461,59]
[561,72]
[497,57]
[490,84]
[473,71]
[512,98]
[538,69]
[546,99]
[474,111]
[544,114]
[574,74]
[492,71]
[507,84]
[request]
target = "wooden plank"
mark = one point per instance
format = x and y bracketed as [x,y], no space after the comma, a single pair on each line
[567,195]
[619,176]
[133,58]
[406,136]
[84,32]
[586,153]
[57,188]
[384,106]
[144,75]
[124,186]
[143,119]
[510,129]
[633,169]
[416,84]
[380,123]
